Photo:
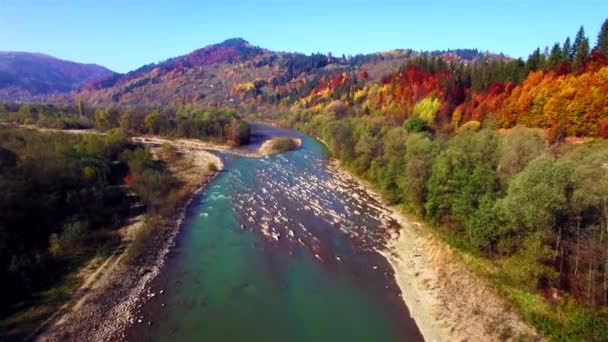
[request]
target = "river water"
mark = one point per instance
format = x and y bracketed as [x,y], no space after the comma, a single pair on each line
[279,249]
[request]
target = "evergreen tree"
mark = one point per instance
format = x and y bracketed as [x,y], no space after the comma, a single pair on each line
[556,56]
[535,61]
[582,52]
[602,38]
[567,49]
[578,40]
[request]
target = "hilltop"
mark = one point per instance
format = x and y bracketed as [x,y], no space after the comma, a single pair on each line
[235,72]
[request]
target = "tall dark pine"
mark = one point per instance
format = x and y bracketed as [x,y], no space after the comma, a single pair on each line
[582,52]
[556,56]
[602,38]
[580,36]
[567,49]
[535,61]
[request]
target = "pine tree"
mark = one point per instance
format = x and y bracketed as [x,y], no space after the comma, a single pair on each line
[582,52]
[567,49]
[602,38]
[535,60]
[580,36]
[556,57]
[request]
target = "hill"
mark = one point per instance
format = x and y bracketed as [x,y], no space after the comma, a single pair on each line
[24,76]
[235,72]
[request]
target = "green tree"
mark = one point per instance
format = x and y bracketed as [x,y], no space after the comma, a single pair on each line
[462,175]
[567,49]
[578,40]
[535,60]
[582,52]
[556,56]
[517,149]
[415,125]
[602,39]
[106,119]
[538,197]
[420,153]
[154,122]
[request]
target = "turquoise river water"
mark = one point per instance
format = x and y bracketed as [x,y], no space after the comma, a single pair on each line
[279,249]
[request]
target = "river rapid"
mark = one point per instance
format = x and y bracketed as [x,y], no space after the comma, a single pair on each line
[280,248]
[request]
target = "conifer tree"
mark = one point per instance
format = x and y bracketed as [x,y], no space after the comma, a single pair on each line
[567,49]
[578,40]
[556,56]
[602,38]
[582,52]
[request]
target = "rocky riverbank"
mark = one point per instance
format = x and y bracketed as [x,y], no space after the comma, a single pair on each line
[447,301]
[112,300]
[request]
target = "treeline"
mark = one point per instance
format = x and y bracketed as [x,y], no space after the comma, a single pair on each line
[537,212]
[62,197]
[209,124]
[562,90]
[46,116]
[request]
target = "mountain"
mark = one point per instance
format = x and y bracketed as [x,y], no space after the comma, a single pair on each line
[25,76]
[235,70]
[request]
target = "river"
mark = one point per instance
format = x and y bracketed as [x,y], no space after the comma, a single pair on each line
[278,249]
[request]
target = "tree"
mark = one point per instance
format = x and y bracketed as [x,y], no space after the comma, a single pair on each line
[556,56]
[517,149]
[81,108]
[538,196]
[535,60]
[106,119]
[420,153]
[427,108]
[582,52]
[578,40]
[567,49]
[154,122]
[602,38]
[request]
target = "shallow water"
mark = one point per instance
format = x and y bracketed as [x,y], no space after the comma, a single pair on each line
[279,249]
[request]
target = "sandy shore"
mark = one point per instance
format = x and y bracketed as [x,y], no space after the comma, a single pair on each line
[447,301]
[106,303]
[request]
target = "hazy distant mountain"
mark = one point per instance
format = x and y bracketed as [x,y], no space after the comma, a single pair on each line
[24,75]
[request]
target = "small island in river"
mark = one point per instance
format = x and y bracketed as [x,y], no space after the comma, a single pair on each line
[279,145]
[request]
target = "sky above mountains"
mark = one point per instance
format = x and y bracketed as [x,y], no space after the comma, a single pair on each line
[125,34]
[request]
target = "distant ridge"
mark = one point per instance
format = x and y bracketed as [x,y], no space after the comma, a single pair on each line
[24,75]
[213,75]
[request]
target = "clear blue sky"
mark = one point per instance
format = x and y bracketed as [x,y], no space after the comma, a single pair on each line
[125,34]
